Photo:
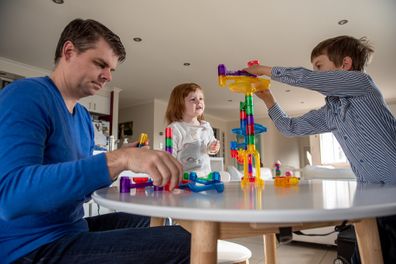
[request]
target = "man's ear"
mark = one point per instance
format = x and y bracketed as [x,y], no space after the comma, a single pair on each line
[68,49]
[347,63]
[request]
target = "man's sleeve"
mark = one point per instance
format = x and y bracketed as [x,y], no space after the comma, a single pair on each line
[27,184]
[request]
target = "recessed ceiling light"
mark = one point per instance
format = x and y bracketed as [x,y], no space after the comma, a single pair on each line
[186,64]
[137,39]
[58,1]
[342,22]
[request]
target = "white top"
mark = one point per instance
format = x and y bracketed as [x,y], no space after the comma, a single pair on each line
[310,201]
[191,145]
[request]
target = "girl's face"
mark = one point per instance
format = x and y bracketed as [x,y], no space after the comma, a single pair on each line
[194,104]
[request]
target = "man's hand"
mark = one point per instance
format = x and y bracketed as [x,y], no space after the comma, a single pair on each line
[161,166]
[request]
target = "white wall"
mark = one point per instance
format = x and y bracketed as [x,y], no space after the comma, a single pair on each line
[142,117]
[392,107]
[159,124]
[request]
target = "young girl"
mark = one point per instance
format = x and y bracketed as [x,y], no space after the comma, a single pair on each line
[193,138]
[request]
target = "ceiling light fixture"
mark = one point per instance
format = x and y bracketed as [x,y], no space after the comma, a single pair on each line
[186,64]
[58,1]
[342,22]
[137,39]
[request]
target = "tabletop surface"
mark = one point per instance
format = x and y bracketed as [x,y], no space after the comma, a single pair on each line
[314,200]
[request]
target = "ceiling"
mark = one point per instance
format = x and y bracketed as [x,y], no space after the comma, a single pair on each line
[206,33]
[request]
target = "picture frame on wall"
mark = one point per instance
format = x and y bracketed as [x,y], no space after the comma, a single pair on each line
[125,129]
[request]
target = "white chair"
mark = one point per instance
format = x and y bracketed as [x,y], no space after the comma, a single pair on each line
[235,174]
[327,172]
[229,252]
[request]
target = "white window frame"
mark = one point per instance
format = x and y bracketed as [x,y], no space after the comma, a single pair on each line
[331,152]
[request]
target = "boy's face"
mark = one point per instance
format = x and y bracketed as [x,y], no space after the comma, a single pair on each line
[323,63]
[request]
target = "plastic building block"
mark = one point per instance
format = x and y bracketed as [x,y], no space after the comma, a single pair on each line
[244,82]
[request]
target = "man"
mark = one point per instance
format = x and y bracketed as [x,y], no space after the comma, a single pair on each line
[47,169]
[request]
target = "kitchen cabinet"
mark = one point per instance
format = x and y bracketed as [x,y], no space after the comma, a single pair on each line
[98,104]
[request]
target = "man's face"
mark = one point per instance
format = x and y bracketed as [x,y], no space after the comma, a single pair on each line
[194,104]
[323,63]
[91,69]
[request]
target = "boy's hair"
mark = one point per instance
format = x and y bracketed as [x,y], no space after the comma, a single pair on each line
[85,33]
[340,47]
[176,106]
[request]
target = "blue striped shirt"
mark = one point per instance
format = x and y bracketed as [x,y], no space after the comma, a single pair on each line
[355,112]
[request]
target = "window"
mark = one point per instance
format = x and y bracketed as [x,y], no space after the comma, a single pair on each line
[330,150]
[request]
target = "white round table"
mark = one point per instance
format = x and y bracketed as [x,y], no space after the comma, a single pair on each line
[239,212]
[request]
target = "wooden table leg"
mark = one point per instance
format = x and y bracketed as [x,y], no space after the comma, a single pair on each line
[269,248]
[156,221]
[368,241]
[204,237]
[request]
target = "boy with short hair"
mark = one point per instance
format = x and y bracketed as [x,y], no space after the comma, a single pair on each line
[355,112]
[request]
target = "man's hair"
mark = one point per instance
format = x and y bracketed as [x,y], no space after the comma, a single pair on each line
[85,33]
[176,106]
[340,47]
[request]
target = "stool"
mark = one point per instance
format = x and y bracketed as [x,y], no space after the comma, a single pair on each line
[228,252]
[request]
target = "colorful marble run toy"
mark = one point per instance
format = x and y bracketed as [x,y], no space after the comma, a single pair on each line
[246,83]
[143,139]
[243,82]
[190,180]
[211,182]
[284,180]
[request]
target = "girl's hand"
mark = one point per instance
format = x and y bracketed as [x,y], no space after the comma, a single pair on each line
[214,147]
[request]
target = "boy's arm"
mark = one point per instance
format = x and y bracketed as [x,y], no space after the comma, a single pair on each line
[329,83]
[310,123]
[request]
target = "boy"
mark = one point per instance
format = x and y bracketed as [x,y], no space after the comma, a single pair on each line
[355,112]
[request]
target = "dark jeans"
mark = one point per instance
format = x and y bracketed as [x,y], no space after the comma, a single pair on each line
[117,238]
[387,233]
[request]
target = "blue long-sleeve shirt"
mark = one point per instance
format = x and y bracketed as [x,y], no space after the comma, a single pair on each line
[355,112]
[46,167]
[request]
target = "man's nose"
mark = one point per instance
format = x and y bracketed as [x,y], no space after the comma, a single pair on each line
[106,75]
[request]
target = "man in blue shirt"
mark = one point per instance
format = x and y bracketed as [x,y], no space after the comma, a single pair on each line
[355,112]
[47,169]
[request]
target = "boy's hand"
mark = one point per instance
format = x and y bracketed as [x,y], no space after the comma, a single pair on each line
[259,70]
[214,147]
[267,97]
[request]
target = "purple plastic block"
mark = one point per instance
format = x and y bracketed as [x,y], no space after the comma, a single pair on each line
[158,188]
[125,184]
[221,70]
